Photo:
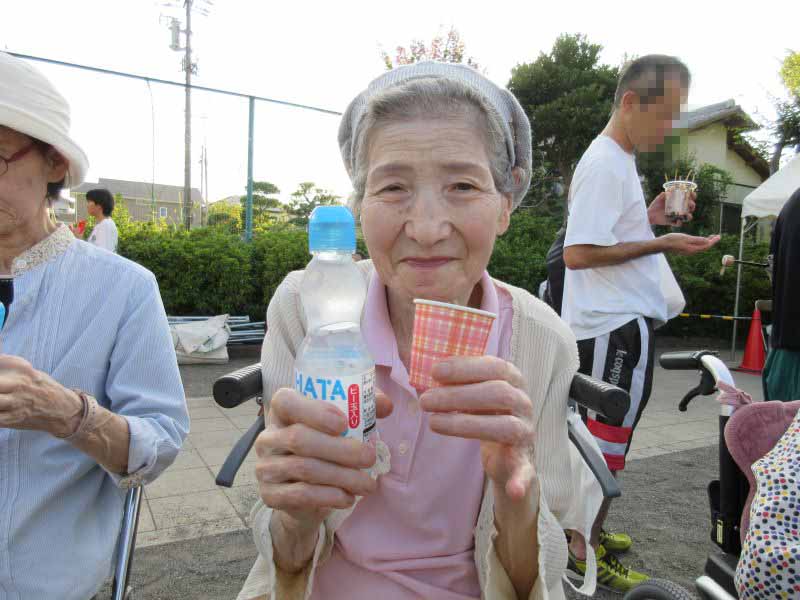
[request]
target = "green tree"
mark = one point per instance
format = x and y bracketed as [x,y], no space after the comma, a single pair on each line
[790,72]
[786,129]
[225,216]
[448,47]
[568,95]
[305,199]
[264,199]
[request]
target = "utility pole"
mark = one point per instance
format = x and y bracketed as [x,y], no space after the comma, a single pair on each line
[187,175]
[190,68]
[204,211]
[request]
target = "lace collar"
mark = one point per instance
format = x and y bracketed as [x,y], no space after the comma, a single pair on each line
[48,249]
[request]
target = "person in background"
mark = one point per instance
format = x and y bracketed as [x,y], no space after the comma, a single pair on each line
[91,399]
[100,205]
[781,377]
[616,276]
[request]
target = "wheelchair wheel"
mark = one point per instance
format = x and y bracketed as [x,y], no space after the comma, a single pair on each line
[658,589]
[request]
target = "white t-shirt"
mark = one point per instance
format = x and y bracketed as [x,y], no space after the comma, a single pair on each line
[607,207]
[104,235]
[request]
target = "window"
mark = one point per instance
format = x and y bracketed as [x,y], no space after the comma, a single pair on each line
[162,212]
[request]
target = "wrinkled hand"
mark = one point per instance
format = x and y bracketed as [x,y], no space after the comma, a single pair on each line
[305,468]
[656,212]
[31,399]
[484,398]
[680,243]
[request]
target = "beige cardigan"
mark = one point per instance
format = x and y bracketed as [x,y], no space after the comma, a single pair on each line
[543,348]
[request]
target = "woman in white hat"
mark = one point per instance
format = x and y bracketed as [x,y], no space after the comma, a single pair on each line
[91,400]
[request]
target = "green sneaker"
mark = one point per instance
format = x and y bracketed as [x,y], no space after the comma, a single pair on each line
[615,542]
[611,574]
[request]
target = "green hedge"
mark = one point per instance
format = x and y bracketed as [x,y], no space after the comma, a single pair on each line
[210,271]
[213,271]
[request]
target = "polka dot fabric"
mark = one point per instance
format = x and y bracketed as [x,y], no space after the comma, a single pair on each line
[770,563]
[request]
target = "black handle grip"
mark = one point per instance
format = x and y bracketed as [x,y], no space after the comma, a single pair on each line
[227,472]
[238,387]
[680,361]
[693,393]
[603,398]
[597,465]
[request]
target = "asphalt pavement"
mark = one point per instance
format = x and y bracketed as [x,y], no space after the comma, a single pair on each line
[663,507]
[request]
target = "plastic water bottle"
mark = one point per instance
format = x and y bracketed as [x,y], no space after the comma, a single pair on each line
[333,363]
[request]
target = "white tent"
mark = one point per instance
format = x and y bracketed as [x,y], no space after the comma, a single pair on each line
[766,200]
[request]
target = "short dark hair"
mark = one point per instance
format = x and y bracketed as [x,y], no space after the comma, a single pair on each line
[646,76]
[54,188]
[103,198]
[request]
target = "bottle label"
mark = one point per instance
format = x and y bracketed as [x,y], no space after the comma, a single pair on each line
[354,395]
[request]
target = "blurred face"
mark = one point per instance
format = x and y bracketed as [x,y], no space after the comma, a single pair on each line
[93,210]
[431,212]
[23,187]
[648,124]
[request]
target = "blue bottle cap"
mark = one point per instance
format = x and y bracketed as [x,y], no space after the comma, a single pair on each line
[331,228]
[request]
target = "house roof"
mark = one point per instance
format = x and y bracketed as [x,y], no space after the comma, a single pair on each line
[730,113]
[139,190]
[736,120]
[232,200]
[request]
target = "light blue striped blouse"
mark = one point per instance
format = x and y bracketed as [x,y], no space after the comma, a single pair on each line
[93,321]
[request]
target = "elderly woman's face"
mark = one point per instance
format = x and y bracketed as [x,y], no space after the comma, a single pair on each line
[23,186]
[431,212]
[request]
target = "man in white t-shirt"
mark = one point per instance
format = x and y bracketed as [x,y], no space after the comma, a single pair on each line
[100,205]
[618,285]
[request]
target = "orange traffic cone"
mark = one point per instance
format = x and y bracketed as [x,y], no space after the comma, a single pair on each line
[753,361]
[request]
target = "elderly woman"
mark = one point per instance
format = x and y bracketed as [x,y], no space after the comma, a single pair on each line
[482,479]
[91,400]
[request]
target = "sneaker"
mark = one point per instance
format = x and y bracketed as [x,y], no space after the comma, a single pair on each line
[615,542]
[611,574]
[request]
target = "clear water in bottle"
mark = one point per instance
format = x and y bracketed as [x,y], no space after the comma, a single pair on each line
[333,363]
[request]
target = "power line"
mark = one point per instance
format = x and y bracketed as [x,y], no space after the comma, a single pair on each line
[174,83]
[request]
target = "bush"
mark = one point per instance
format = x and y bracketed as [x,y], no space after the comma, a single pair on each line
[519,259]
[211,271]
[276,252]
[201,272]
[708,292]
[519,255]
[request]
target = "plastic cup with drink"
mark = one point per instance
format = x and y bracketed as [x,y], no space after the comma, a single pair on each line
[676,205]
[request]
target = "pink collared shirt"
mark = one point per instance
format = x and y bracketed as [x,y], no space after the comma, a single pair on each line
[413,538]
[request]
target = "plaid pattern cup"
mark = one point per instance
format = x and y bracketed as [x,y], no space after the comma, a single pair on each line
[444,330]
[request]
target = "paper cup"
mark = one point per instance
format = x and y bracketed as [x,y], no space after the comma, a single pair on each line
[443,330]
[676,207]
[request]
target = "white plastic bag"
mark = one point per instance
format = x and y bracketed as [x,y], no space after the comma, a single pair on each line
[202,342]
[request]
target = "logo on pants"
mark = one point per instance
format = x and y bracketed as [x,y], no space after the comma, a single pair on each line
[616,370]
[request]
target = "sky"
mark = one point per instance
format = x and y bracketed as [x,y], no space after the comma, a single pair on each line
[323,53]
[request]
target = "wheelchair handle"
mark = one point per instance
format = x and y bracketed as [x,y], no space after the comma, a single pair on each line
[688,361]
[603,398]
[227,472]
[238,387]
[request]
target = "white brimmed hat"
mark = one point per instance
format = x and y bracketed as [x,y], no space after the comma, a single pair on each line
[30,104]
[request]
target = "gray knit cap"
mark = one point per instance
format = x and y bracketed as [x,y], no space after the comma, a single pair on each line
[516,127]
